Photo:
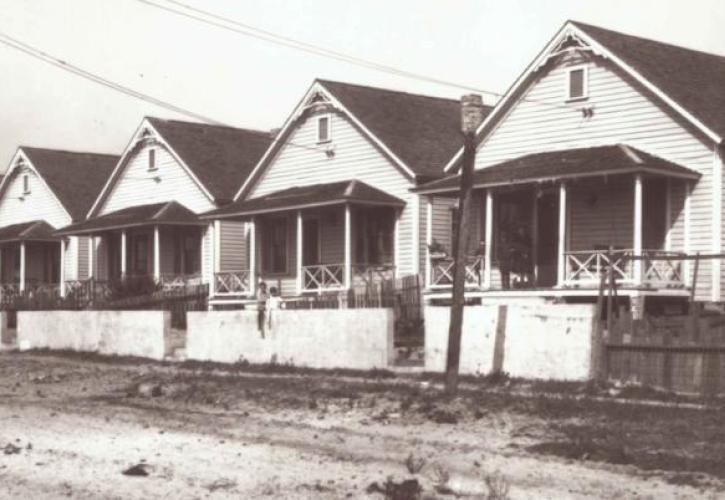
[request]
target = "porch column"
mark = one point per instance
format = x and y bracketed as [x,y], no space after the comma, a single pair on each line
[428,239]
[253,256]
[637,239]
[123,253]
[686,244]
[396,244]
[91,256]
[22,266]
[61,278]
[348,247]
[157,254]
[488,261]
[561,261]
[668,214]
[299,262]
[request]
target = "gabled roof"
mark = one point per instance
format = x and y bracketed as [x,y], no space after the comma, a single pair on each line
[422,131]
[154,214]
[317,195]
[75,178]
[563,164]
[220,157]
[694,79]
[417,133]
[37,230]
[690,82]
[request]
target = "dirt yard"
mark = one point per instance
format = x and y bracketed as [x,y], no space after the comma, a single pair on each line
[71,425]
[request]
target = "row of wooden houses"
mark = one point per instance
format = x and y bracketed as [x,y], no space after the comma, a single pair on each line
[605,154]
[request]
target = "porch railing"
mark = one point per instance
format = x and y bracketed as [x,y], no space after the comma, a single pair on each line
[176,281]
[442,272]
[323,277]
[658,269]
[232,283]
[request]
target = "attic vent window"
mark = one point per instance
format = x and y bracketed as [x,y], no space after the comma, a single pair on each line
[152,160]
[577,87]
[26,184]
[323,129]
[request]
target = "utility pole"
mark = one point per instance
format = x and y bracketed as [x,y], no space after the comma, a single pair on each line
[471,118]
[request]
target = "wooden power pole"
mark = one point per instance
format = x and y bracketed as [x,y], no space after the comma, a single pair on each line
[471,117]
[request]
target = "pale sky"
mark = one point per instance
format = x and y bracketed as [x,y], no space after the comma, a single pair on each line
[250,83]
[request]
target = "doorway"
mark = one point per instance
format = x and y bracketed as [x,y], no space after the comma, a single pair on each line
[547,239]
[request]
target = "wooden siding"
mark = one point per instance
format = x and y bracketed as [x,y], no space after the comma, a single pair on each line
[623,113]
[207,254]
[135,185]
[355,158]
[83,262]
[39,204]
[233,246]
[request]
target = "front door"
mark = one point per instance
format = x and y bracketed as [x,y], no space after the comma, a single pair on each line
[547,240]
[311,242]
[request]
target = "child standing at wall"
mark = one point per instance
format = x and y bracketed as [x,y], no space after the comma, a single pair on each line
[274,302]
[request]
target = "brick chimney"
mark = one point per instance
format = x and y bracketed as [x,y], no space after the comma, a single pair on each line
[471,112]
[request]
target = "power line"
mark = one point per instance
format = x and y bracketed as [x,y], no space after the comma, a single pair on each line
[66,66]
[238,27]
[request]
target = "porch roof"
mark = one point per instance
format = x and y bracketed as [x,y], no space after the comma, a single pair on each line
[36,230]
[170,213]
[317,195]
[566,164]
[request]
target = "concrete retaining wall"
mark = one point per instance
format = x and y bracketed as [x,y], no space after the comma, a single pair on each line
[121,333]
[7,336]
[552,341]
[323,338]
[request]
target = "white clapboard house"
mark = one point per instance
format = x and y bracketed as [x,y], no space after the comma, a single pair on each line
[330,205]
[44,190]
[144,223]
[607,152]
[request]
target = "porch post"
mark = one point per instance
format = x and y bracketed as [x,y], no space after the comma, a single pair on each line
[561,261]
[22,266]
[637,264]
[91,256]
[299,253]
[123,253]
[348,248]
[396,243]
[668,214]
[157,254]
[535,235]
[488,261]
[252,256]
[428,239]
[61,277]
[686,244]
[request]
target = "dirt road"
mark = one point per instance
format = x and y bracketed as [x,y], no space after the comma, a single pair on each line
[69,427]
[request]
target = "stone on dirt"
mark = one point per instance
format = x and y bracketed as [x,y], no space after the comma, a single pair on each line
[138,470]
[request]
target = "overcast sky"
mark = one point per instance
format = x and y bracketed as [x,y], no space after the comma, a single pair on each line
[250,83]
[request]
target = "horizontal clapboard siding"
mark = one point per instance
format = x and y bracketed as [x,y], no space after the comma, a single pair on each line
[39,204]
[623,113]
[355,158]
[136,184]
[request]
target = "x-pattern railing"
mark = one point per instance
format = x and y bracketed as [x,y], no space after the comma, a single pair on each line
[323,277]
[232,283]
[442,272]
[369,274]
[176,281]
[589,265]
[661,269]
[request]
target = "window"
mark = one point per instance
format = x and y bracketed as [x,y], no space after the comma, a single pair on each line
[323,129]
[26,184]
[375,236]
[577,83]
[274,246]
[152,159]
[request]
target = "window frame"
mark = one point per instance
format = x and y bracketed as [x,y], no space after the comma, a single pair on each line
[320,118]
[584,68]
[152,166]
[26,183]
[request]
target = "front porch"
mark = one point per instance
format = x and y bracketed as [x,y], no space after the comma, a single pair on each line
[558,234]
[315,240]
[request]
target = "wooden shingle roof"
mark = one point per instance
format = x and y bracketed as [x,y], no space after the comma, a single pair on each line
[37,230]
[75,178]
